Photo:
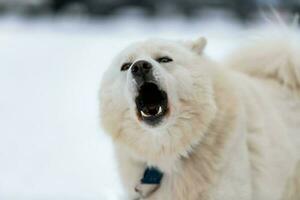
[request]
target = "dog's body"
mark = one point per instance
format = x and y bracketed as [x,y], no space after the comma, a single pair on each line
[229,133]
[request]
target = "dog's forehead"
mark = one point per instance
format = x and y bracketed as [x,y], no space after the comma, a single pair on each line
[150,48]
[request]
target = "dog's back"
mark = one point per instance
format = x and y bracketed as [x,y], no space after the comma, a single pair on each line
[273,62]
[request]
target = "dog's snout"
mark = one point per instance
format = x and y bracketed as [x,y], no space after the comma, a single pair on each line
[141,68]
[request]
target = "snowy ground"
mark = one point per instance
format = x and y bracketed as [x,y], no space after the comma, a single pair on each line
[51,144]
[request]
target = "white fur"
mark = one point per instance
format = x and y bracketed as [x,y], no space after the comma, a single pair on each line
[232,132]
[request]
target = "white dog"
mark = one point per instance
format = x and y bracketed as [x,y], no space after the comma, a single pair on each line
[186,128]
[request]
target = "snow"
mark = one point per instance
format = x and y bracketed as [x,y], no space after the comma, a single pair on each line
[51,143]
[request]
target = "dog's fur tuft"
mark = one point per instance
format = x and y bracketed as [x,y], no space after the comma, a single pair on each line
[272,53]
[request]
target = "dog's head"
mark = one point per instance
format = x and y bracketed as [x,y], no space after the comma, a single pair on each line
[157,86]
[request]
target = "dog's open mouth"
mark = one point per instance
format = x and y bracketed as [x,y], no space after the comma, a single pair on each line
[151,103]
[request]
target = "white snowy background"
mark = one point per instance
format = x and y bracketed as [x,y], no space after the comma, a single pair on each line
[52,146]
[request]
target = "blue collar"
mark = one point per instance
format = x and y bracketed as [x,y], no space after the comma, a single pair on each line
[152,175]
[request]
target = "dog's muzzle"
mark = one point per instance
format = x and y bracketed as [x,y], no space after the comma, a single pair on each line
[151,101]
[142,71]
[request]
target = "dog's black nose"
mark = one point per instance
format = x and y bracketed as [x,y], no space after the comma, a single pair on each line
[141,68]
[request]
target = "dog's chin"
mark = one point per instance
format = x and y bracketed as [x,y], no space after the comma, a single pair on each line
[151,104]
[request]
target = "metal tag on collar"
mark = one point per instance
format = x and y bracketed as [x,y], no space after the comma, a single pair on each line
[152,175]
[150,182]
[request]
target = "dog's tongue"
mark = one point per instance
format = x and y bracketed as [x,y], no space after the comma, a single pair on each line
[151,109]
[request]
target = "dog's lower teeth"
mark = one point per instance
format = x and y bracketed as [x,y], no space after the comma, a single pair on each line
[147,115]
[144,114]
[159,110]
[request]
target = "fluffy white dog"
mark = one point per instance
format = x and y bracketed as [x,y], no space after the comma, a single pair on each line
[186,128]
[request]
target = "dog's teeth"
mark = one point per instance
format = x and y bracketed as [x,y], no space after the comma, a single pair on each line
[159,110]
[144,114]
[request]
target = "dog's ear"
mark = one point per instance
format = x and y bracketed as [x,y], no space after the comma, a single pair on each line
[197,45]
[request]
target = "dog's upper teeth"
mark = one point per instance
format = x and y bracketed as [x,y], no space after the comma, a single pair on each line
[144,114]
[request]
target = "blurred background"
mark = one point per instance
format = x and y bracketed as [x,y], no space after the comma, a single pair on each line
[242,9]
[52,56]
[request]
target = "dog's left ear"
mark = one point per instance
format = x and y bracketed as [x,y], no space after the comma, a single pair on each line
[197,45]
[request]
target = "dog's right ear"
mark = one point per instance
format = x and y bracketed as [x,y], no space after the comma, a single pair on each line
[197,45]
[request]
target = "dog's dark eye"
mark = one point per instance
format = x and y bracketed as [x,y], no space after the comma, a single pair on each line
[125,66]
[164,59]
